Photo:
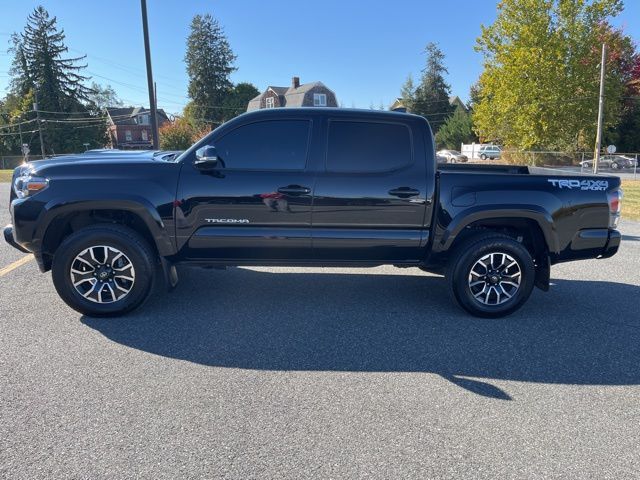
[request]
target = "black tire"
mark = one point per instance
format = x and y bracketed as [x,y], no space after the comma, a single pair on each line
[615,166]
[483,157]
[465,258]
[120,238]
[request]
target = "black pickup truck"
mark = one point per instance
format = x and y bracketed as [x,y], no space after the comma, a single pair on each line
[319,187]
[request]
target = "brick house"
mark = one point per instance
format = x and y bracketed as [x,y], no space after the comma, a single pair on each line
[314,94]
[129,128]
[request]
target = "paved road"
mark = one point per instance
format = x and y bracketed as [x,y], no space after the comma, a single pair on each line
[325,373]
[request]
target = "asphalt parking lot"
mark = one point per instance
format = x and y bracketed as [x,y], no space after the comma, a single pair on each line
[324,373]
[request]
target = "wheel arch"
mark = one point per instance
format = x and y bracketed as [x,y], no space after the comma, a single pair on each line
[533,222]
[61,220]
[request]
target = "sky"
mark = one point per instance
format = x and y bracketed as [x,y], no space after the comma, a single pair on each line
[362,50]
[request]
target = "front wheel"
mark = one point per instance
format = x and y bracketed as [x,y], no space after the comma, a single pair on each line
[491,275]
[615,166]
[483,157]
[104,270]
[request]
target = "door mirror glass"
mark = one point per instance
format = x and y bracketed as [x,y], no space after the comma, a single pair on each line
[206,157]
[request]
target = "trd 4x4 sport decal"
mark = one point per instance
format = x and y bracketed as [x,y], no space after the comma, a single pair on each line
[580,184]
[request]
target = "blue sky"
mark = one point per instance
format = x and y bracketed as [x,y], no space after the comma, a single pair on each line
[363,50]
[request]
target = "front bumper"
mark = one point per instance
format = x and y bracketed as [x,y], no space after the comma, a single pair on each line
[8,237]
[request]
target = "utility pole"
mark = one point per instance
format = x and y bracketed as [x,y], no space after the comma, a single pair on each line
[596,158]
[35,108]
[150,83]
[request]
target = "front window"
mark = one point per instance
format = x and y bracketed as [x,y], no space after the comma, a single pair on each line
[127,136]
[319,100]
[268,145]
[270,102]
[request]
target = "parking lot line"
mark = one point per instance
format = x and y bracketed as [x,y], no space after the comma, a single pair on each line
[16,264]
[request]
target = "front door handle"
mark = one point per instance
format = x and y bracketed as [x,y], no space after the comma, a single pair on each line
[294,190]
[404,192]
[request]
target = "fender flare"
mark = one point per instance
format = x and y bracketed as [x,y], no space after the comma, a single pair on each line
[129,203]
[490,212]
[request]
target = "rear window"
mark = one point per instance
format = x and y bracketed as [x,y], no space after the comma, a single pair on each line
[368,147]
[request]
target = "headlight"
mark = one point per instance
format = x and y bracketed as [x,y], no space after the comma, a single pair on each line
[27,185]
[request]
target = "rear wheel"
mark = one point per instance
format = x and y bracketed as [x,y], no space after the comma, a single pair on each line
[491,275]
[104,270]
[615,166]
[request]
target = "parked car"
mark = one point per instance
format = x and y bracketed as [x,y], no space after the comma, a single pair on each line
[453,156]
[490,151]
[441,159]
[614,162]
[307,186]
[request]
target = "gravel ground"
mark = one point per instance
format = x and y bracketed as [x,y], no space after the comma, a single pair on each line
[324,373]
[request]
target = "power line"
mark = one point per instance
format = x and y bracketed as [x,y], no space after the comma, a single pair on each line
[10,125]
[16,133]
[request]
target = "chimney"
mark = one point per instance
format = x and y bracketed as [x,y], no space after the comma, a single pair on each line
[295,82]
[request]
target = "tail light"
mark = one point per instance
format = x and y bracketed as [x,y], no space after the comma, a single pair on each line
[615,206]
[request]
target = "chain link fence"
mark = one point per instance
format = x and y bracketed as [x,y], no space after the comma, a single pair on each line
[618,163]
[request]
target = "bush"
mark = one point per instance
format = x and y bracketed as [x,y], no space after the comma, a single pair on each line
[180,135]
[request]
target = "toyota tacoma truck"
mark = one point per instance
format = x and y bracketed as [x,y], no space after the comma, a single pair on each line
[306,187]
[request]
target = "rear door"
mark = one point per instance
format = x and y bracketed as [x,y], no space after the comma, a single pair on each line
[369,199]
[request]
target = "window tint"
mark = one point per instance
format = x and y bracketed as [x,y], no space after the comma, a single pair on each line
[269,145]
[367,147]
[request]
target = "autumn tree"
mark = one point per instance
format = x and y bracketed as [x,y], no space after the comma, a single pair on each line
[177,135]
[539,87]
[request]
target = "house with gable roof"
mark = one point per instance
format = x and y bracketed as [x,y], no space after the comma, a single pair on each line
[314,94]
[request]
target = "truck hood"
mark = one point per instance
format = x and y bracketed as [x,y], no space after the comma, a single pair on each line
[103,159]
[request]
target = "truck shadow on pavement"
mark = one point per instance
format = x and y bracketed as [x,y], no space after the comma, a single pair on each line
[581,332]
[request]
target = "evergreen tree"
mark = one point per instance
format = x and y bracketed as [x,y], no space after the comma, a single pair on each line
[407,93]
[40,70]
[209,61]
[456,130]
[431,97]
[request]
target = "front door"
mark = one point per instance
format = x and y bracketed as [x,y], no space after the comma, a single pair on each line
[256,202]
[369,202]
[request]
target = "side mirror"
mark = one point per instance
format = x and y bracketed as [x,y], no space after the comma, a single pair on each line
[206,158]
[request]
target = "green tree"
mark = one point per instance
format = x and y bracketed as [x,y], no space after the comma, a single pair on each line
[210,62]
[39,69]
[456,130]
[431,96]
[102,97]
[407,93]
[238,98]
[539,87]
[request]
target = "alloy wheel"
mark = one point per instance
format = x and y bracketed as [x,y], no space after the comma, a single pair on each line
[102,274]
[494,278]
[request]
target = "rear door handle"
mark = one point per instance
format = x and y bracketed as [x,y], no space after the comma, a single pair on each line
[404,192]
[294,190]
